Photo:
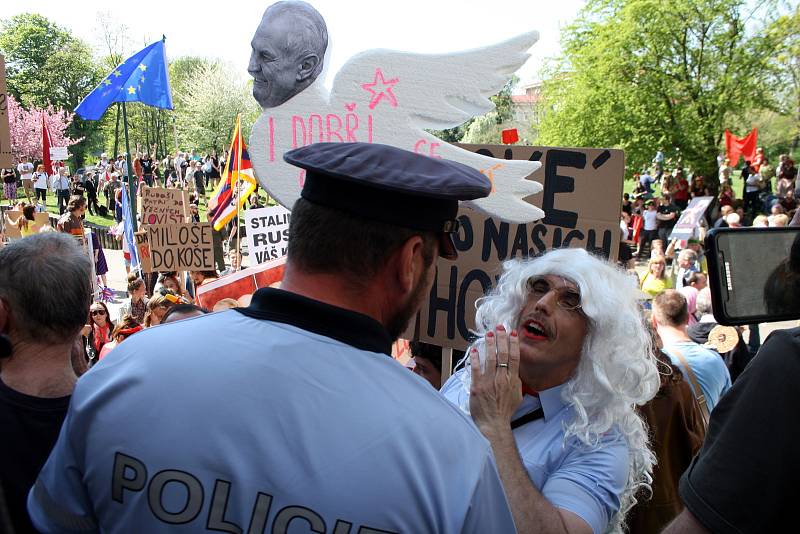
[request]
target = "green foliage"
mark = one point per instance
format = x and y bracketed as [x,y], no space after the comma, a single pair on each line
[786,82]
[208,103]
[27,41]
[47,66]
[486,128]
[648,74]
[502,101]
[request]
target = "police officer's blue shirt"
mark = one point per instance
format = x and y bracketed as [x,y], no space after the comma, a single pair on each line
[287,416]
[708,367]
[587,481]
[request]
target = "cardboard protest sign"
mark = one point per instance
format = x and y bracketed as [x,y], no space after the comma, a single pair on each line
[389,97]
[59,153]
[40,220]
[241,285]
[267,232]
[143,246]
[163,206]
[581,200]
[12,230]
[180,247]
[690,218]
[6,159]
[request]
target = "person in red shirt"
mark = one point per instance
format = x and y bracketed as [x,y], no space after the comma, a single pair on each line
[681,195]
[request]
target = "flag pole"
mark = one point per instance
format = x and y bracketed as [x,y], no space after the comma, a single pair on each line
[131,185]
[239,190]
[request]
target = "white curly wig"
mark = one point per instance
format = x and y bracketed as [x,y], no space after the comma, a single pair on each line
[617,370]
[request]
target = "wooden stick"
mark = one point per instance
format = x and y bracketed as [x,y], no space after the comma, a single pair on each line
[447,363]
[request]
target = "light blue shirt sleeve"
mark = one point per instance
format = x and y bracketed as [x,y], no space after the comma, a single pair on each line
[58,502]
[489,510]
[589,482]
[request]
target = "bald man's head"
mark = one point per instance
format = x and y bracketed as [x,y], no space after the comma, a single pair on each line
[288,52]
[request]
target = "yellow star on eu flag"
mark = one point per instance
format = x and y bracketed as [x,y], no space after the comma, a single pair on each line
[131,90]
[107,81]
[117,73]
[143,67]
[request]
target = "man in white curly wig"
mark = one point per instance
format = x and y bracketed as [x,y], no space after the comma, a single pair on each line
[562,360]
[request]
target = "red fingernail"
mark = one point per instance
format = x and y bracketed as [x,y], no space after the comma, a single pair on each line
[501,328]
[513,333]
[490,334]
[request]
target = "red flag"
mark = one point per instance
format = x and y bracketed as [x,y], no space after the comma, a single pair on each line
[510,136]
[741,146]
[637,225]
[48,166]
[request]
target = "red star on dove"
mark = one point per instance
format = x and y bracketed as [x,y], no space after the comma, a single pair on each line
[386,90]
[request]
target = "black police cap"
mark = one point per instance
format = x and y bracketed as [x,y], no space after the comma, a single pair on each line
[388,184]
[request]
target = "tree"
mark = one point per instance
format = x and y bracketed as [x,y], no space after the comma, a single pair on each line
[488,127]
[786,30]
[648,74]
[211,98]
[49,67]
[27,41]
[26,129]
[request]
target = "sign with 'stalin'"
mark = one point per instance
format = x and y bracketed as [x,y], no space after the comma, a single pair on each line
[267,233]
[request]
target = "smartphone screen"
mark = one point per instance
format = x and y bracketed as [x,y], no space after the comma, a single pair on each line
[750,274]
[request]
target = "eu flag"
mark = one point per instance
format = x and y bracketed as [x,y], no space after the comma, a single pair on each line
[127,225]
[141,78]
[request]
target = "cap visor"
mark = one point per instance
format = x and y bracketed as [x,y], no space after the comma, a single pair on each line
[447,249]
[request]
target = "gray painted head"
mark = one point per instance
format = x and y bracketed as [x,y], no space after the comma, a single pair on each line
[288,52]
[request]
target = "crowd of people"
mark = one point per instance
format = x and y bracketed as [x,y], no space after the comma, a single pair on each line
[650,213]
[184,170]
[767,198]
[578,407]
[83,190]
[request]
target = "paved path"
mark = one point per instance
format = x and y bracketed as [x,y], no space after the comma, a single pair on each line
[117,280]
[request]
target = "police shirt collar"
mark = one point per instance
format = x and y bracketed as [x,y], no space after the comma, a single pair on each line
[349,327]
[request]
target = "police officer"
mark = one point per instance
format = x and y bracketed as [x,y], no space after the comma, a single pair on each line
[291,415]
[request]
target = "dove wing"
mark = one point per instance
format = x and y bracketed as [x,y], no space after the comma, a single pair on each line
[435,91]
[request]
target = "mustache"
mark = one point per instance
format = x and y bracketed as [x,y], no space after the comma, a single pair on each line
[542,323]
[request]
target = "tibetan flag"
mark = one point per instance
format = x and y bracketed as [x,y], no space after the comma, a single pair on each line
[140,78]
[237,183]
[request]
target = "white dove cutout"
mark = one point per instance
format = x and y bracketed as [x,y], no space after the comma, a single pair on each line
[390,97]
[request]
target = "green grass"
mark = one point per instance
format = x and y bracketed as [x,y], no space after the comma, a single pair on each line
[52,206]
